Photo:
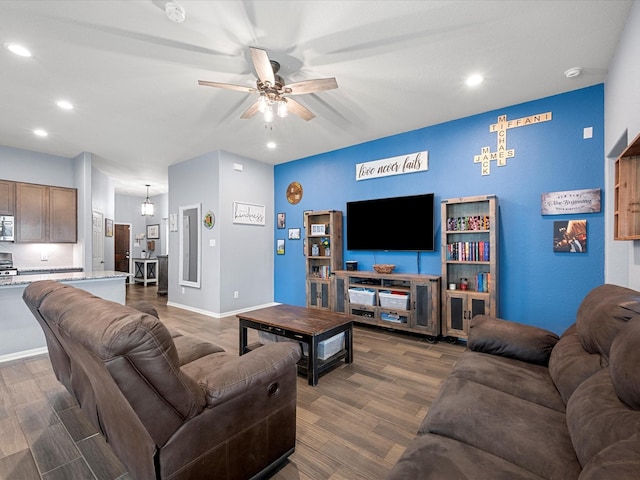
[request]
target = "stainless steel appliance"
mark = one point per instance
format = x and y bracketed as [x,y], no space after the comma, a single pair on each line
[6,228]
[6,264]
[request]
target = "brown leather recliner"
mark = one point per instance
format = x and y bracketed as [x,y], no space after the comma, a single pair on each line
[171,406]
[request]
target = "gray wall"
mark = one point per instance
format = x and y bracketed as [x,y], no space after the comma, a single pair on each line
[235,258]
[127,210]
[622,98]
[102,200]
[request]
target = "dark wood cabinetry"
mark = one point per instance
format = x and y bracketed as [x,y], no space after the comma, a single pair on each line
[408,302]
[45,214]
[7,197]
[323,248]
[469,262]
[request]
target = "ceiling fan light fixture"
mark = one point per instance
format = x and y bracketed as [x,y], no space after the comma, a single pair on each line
[282,108]
[262,103]
[268,114]
[146,208]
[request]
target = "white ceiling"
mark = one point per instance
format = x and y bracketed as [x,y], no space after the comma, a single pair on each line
[400,65]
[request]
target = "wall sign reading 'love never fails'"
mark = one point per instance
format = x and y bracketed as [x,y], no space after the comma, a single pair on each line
[411,163]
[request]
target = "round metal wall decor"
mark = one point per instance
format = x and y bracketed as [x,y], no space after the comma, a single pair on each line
[294,193]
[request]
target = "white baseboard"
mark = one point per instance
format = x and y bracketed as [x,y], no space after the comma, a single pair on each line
[219,315]
[25,353]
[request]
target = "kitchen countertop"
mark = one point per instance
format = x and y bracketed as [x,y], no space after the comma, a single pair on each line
[63,276]
[36,270]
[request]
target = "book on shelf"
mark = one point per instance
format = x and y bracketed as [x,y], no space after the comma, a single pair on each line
[320,271]
[477,222]
[482,281]
[468,251]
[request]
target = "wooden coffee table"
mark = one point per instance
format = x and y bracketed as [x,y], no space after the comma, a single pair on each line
[307,325]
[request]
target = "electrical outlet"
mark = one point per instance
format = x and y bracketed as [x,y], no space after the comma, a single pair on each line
[236,294]
[44,257]
[182,289]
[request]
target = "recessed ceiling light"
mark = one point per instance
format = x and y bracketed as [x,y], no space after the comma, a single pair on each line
[40,133]
[475,79]
[271,145]
[573,72]
[65,105]
[18,49]
[175,12]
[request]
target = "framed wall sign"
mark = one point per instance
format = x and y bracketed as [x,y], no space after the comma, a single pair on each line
[153,231]
[108,227]
[248,213]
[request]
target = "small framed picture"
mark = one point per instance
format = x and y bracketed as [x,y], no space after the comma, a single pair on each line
[280,246]
[108,227]
[318,229]
[153,231]
[282,220]
[294,234]
[570,236]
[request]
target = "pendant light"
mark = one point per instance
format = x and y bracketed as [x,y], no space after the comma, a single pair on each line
[147,205]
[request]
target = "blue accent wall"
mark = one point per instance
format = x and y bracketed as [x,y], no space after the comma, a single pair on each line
[537,285]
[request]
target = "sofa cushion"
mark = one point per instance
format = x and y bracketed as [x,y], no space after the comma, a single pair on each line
[602,313]
[524,380]
[509,339]
[597,418]
[526,434]
[433,457]
[619,461]
[570,364]
[625,364]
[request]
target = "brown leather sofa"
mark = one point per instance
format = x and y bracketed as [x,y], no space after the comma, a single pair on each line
[522,403]
[171,406]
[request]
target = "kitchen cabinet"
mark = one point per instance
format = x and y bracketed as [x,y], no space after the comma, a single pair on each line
[7,197]
[45,214]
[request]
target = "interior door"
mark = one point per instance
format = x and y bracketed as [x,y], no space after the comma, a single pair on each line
[122,247]
[98,243]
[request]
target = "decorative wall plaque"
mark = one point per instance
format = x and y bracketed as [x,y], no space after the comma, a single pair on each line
[294,193]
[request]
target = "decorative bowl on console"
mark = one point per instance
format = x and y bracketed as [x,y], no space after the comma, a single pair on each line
[384,267]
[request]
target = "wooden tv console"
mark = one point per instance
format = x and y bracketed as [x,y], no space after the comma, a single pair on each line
[381,299]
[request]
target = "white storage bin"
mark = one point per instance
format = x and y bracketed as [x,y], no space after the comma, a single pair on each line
[398,301]
[362,296]
[327,348]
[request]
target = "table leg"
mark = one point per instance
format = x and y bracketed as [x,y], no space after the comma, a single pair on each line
[348,343]
[312,362]
[243,339]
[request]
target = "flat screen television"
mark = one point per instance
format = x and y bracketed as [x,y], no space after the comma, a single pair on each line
[396,223]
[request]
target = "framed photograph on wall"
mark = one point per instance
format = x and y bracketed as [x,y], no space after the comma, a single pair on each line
[280,246]
[282,220]
[294,234]
[153,231]
[570,236]
[108,227]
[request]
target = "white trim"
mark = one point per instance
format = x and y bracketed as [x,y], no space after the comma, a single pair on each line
[219,315]
[23,354]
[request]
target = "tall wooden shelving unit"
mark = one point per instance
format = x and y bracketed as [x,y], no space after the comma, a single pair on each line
[321,227]
[469,251]
[626,214]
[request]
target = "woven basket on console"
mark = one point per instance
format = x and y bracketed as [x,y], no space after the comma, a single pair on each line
[384,268]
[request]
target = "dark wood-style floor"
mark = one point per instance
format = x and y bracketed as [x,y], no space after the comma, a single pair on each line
[353,425]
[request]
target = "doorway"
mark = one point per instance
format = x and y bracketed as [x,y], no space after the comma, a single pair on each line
[122,248]
[97,245]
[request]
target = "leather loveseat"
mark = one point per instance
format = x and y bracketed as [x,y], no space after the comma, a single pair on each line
[171,406]
[521,403]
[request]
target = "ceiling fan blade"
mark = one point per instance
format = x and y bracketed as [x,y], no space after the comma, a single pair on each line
[262,65]
[310,86]
[299,110]
[228,86]
[251,111]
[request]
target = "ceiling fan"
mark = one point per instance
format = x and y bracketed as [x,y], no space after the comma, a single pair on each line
[274,93]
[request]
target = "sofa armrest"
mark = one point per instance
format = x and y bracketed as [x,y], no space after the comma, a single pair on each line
[250,370]
[510,339]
